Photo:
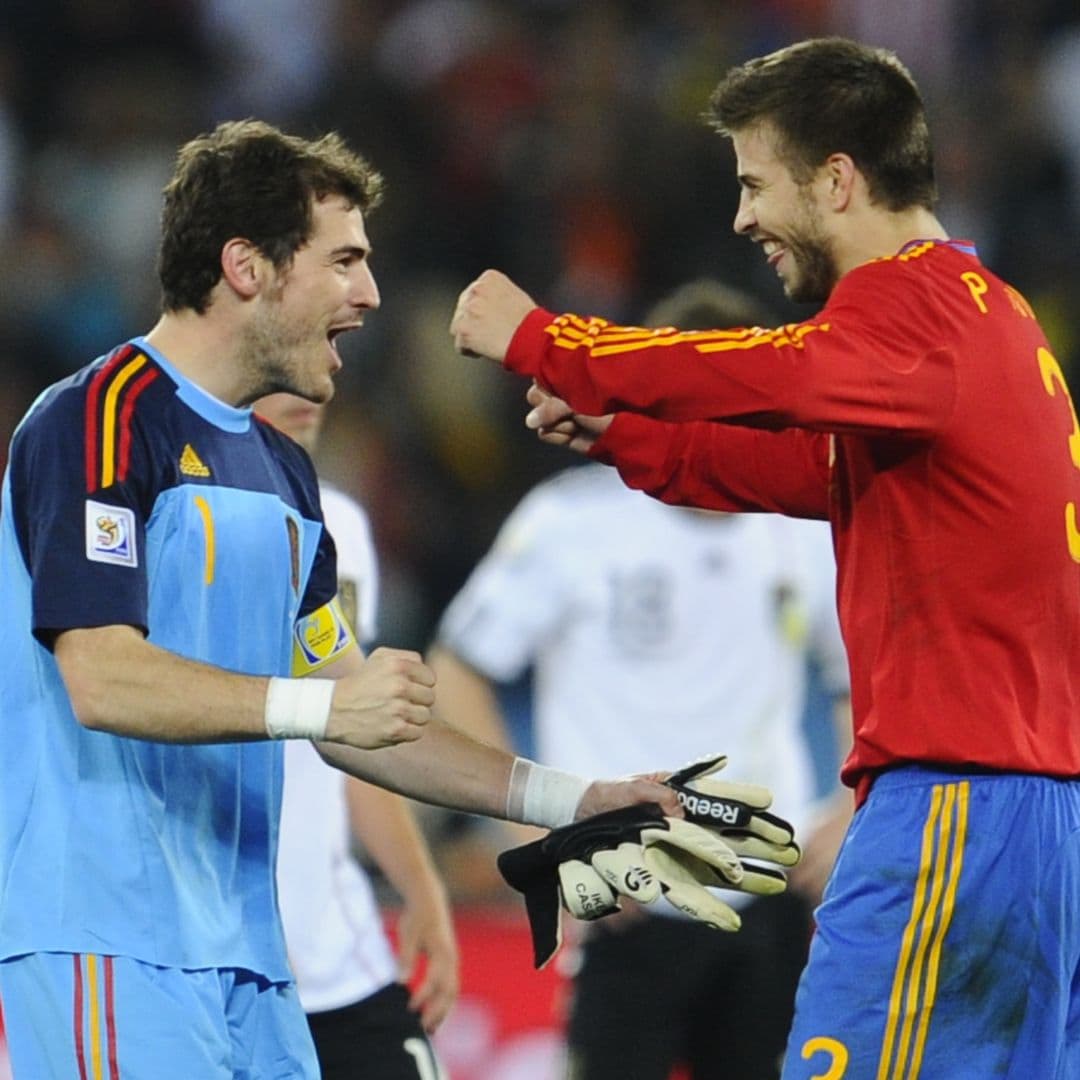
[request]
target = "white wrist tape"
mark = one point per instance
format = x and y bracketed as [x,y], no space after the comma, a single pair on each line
[538,795]
[298,708]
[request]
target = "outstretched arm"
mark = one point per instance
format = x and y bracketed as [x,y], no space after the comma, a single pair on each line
[469,698]
[121,683]
[449,768]
[715,466]
[869,363]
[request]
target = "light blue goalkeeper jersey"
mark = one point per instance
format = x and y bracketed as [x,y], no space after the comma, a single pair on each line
[132,497]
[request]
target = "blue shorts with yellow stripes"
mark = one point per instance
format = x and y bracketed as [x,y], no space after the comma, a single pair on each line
[948,941]
[87,1017]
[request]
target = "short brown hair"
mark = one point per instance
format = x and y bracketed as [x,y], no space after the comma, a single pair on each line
[832,95]
[247,178]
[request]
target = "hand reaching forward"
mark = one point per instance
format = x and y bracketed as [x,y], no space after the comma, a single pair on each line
[644,852]
[556,423]
[388,701]
[488,312]
[603,795]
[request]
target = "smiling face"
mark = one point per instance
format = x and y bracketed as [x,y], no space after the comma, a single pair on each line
[290,341]
[784,217]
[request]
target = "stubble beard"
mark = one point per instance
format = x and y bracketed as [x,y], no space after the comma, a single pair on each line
[269,356]
[815,262]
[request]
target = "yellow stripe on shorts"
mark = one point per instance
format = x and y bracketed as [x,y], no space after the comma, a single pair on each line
[915,983]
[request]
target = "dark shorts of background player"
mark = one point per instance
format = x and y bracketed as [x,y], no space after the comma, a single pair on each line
[667,991]
[378,1038]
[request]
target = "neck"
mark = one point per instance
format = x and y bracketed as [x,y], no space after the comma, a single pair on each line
[878,234]
[203,351]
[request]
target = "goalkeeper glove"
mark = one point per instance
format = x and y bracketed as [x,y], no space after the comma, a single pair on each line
[635,852]
[738,812]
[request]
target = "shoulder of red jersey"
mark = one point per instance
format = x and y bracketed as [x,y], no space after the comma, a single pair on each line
[914,262]
[908,282]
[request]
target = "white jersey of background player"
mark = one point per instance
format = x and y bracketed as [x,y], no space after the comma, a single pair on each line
[656,630]
[338,948]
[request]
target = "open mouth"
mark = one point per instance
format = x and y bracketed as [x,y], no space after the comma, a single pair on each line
[335,332]
[773,252]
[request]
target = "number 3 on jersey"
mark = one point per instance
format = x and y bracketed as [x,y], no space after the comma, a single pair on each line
[1053,380]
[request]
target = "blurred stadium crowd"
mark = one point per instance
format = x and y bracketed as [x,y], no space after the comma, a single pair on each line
[555,139]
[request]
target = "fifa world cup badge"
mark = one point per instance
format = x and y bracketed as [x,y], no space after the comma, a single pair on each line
[110,534]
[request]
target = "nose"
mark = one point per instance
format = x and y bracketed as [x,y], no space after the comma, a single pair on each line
[744,218]
[364,294]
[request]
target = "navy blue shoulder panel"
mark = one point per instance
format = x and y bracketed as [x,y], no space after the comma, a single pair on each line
[128,427]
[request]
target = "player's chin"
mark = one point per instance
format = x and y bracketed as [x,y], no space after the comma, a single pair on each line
[320,388]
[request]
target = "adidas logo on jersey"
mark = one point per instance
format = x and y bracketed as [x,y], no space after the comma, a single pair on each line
[190,463]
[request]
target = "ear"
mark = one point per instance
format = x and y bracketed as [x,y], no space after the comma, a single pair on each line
[839,178]
[243,267]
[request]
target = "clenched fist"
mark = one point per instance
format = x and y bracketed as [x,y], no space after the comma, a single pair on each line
[387,702]
[488,312]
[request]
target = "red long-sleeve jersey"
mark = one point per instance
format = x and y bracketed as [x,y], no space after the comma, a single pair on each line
[921,411]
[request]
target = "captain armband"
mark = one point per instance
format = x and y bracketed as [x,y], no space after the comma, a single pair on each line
[320,638]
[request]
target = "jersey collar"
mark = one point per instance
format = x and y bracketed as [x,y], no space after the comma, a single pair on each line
[965,246]
[211,409]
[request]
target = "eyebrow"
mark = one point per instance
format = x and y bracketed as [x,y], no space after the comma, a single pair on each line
[356,250]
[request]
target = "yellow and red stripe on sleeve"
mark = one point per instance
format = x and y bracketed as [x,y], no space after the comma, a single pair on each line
[110,402]
[602,338]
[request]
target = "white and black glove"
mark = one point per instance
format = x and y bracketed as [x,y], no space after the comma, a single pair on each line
[738,812]
[637,852]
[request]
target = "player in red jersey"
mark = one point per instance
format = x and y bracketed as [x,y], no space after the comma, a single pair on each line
[923,412]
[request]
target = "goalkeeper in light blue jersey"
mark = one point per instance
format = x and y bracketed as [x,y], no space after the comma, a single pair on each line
[168,591]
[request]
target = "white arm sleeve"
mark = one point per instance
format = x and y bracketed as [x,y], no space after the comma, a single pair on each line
[357,567]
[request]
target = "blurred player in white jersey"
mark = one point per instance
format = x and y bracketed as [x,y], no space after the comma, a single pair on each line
[655,629]
[362,1017]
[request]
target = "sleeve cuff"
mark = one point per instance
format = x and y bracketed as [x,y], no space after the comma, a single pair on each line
[616,445]
[526,349]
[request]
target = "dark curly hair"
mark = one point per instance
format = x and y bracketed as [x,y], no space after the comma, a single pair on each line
[248,179]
